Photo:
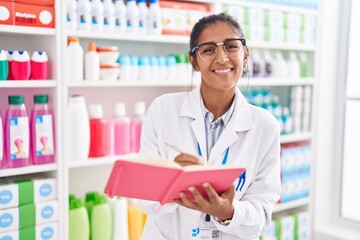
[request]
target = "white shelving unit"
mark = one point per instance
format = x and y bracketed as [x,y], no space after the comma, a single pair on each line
[91,175]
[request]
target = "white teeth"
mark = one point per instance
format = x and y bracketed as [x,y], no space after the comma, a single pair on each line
[222,70]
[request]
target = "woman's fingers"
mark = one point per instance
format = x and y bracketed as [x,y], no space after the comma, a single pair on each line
[185,159]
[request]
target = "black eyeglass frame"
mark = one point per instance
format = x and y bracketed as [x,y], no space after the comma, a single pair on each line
[196,48]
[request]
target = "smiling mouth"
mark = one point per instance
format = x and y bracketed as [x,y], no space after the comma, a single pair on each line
[221,71]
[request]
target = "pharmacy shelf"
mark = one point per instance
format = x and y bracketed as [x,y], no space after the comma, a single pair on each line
[131,37]
[291,205]
[274,7]
[276,81]
[28,170]
[281,46]
[100,161]
[28,84]
[296,137]
[20,30]
[120,83]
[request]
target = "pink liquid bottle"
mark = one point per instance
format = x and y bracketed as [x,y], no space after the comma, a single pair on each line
[42,132]
[99,133]
[1,142]
[20,65]
[16,133]
[120,131]
[9,55]
[136,125]
[39,65]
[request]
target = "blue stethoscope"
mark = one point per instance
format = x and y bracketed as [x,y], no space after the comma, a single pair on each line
[242,177]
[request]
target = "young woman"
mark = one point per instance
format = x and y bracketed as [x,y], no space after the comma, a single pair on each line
[214,124]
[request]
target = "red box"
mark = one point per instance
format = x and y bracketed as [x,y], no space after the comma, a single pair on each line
[34,15]
[37,2]
[7,12]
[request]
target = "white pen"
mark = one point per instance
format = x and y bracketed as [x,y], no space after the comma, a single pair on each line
[176,148]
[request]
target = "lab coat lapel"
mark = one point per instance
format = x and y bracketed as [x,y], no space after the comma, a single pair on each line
[192,108]
[240,121]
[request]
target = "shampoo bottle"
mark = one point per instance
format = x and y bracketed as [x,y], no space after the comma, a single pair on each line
[136,221]
[109,16]
[79,226]
[155,26]
[17,133]
[20,66]
[75,57]
[120,218]
[4,66]
[39,65]
[136,125]
[120,16]
[121,130]
[99,132]
[92,63]
[101,220]
[42,131]
[97,16]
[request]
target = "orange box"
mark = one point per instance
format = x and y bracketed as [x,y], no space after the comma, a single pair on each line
[34,15]
[37,2]
[7,12]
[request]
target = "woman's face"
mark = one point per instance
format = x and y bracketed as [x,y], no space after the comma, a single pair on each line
[223,72]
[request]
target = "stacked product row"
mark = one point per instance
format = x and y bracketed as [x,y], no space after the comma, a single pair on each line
[100,218]
[293,227]
[106,63]
[28,209]
[295,171]
[266,64]
[295,119]
[275,25]
[17,65]
[105,16]
[293,3]
[24,142]
[92,135]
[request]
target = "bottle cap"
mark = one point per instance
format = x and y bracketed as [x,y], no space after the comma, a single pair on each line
[41,98]
[3,55]
[77,203]
[9,54]
[73,40]
[120,109]
[96,111]
[92,47]
[39,56]
[16,100]
[140,108]
[77,99]
[91,196]
[154,1]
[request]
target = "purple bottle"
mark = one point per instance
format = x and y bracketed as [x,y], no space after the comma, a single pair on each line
[16,133]
[42,131]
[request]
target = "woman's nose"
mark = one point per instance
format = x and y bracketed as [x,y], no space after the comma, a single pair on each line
[221,55]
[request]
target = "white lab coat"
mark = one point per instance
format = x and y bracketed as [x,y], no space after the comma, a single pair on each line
[253,137]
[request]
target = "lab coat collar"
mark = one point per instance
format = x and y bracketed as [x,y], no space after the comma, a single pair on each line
[239,122]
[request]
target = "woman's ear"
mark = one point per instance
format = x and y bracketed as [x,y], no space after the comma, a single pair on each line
[193,63]
[246,55]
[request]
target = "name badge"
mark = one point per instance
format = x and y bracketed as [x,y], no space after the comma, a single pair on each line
[205,233]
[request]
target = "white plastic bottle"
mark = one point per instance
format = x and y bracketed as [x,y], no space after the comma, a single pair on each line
[78,129]
[280,66]
[293,66]
[92,63]
[144,68]
[84,15]
[120,16]
[119,209]
[109,16]
[75,60]
[143,17]
[132,17]
[71,14]
[97,16]
[155,26]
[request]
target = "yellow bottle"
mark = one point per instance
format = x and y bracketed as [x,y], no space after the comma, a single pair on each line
[136,222]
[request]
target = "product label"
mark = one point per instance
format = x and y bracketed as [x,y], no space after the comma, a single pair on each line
[1,141]
[19,137]
[47,233]
[44,135]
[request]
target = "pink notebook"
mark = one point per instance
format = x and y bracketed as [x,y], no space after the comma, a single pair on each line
[161,180]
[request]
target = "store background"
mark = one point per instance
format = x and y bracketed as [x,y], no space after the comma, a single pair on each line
[81,177]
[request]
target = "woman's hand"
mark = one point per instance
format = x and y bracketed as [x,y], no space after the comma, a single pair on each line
[185,159]
[215,205]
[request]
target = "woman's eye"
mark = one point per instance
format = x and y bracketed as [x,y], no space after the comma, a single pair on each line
[209,50]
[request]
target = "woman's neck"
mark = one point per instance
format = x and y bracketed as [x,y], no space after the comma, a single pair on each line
[218,102]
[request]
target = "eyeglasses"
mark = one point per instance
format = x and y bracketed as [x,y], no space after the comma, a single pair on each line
[208,50]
